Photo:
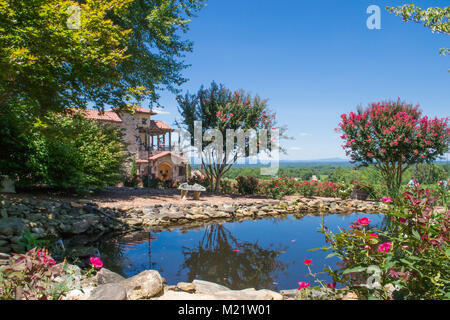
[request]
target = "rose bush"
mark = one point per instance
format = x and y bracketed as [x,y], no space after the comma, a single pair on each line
[407,258]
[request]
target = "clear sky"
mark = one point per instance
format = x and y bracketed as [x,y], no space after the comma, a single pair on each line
[315,60]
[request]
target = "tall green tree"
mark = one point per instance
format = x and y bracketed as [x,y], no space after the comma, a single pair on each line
[73,151]
[120,53]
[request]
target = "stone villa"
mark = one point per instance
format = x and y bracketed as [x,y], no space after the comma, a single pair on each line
[149,141]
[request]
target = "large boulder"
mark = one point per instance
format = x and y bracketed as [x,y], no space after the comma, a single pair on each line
[109,291]
[105,276]
[145,285]
[206,287]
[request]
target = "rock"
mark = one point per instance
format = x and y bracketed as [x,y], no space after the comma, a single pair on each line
[207,287]
[290,294]
[109,291]
[186,287]
[105,276]
[174,295]
[145,285]
[7,185]
[75,294]
[273,294]
[11,226]
[80,226]
[350,296]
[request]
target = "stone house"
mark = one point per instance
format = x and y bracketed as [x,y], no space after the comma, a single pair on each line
[149,141]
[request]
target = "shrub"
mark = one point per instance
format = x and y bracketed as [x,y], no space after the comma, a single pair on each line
[247,185]
[408,258]
[31,276]
[228,186]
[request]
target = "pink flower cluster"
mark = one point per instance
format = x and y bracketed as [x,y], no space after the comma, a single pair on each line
[45,257]
[96,262]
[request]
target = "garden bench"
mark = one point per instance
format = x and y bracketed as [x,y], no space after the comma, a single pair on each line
[196,189]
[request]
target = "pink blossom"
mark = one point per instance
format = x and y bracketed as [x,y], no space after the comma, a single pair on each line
[364,221]
[405,247]
[96,262]
[373,235]
[303,285]
[331,285]
[386,199]
[307,262]
[384,247]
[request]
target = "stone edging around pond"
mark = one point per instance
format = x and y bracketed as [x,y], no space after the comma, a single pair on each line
[62,220]
[194,214]
[150,285]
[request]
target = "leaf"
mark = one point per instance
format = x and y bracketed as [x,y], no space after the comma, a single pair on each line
[354,270]
[416,234]
[330,255]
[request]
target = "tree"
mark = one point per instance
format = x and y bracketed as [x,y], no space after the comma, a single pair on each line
[224,111]
[155,46]
[435,18]
[428,173]
[393,136]
[47,66]
[118,55]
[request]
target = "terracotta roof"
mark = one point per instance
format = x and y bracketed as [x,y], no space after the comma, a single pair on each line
[155,124]
[106,116]
[141,161]
[142,110]
[139,110]
[165,153]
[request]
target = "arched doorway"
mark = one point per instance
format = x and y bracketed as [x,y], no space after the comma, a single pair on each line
[165,171]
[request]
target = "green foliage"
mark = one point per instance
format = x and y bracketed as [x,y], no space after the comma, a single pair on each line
[72,151]
[425,173]
[121,52]
[406,259]
[247,185]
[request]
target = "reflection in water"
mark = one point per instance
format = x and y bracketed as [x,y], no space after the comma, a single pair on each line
[219,257]
[266,253]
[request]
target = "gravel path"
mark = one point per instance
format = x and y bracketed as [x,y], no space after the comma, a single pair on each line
[131,197]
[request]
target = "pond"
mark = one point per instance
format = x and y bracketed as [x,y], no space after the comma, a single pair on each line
[261,254]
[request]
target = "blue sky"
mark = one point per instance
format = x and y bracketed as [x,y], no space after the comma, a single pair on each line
[315,60]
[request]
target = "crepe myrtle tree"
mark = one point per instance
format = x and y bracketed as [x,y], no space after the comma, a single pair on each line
[393,136]
[233,125]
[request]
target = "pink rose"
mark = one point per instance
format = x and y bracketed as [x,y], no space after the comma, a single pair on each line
[303,285]
[373,235]
[386,199]
[96,262]
[364,221]
[331,285]
[307,262]
[384,247]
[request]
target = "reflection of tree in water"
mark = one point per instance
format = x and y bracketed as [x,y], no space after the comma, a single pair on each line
[220,258]
[115,259]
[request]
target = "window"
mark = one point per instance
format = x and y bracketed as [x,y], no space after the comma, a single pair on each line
[144,121]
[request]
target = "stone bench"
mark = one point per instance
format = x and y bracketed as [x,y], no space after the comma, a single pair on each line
[196,189]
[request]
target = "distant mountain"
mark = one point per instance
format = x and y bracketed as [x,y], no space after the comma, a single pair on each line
[328,160]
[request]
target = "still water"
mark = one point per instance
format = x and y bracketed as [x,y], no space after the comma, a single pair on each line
[261,254]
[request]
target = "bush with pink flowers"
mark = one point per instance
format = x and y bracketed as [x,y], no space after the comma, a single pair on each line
[407,258]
